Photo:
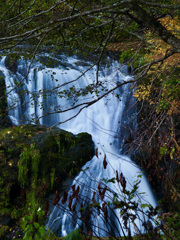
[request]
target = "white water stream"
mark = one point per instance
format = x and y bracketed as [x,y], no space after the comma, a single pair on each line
[103,120]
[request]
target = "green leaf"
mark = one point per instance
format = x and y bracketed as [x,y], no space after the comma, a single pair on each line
[85,169]
[145,205]
[36,225]
[163,150]
[42,230]
[23,225]
[27,235]
[139,176]
[131,197]
[74,235]
[106,180]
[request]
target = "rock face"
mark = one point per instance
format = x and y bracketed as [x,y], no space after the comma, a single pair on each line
[36,159]
[11,62]
[4,118]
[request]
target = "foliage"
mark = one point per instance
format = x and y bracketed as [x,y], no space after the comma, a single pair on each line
[24,182]
[151,46]
[74,235]
[33,229]
[100,205]
[84,25]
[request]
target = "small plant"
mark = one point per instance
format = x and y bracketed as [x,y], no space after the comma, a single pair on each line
[103,212]
[74,235]
[33,229]
[171,225]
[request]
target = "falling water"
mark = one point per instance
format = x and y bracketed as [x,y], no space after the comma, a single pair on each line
[105,120]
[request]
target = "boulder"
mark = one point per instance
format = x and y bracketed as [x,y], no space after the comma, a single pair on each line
[34,158]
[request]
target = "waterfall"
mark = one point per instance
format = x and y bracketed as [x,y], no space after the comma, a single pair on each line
[43,93]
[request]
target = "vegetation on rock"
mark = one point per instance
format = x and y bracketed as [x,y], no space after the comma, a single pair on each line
[146,33]
[34,163]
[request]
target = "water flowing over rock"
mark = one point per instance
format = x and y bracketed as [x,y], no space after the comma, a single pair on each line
[111,120]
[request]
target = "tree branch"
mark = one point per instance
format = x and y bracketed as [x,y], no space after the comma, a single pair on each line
[150,22]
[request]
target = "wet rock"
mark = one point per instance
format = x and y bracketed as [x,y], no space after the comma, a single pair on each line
[5,120]
[11,62]
[35,158]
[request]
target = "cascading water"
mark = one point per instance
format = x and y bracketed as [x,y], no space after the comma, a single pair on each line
[43,94]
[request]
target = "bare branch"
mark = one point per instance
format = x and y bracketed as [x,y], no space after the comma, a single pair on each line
[87,104]
[147,66]
[33,16]
[9,8]
[103,49]
[29,7]
[159,5]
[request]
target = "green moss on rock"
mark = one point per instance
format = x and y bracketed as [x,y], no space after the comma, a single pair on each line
[35,160]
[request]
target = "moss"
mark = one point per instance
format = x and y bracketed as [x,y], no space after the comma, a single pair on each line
[63,150]
[35,161]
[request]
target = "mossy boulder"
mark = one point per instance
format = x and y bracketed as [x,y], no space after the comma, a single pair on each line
[35,159]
